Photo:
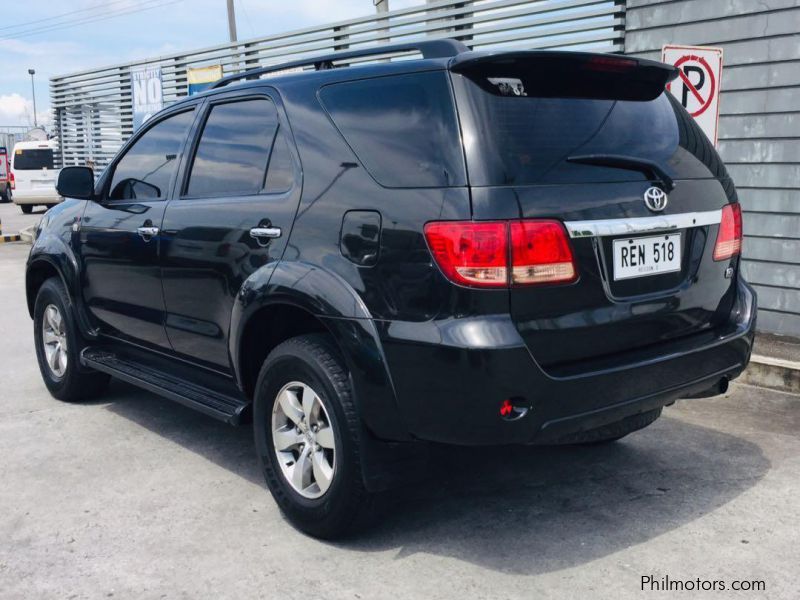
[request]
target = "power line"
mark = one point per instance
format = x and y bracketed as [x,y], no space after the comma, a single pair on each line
[92,19]
[66,14]
[247,18]
[145,5]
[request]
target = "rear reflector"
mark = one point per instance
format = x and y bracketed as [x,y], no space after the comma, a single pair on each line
[729,237]
[477,254]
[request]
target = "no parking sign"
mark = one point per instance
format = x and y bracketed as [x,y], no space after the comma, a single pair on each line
[698,83]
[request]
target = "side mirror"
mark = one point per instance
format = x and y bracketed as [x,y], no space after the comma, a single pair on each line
[76,182]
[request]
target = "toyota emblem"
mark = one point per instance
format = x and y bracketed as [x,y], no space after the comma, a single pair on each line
[655,199]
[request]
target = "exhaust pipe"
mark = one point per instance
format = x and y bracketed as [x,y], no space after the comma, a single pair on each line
[719,388]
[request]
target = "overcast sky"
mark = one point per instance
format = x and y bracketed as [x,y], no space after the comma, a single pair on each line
[33,35]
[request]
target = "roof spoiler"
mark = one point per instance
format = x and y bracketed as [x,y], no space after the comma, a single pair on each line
[565,74]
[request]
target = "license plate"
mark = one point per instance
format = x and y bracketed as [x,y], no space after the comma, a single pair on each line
[639,257]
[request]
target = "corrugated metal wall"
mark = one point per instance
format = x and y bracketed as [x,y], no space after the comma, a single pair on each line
[759,135]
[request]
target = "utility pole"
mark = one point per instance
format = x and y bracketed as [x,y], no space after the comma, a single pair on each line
[32,72]
[231,21]
[382,7]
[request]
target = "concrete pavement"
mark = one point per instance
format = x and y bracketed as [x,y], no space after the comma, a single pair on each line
[13,220]
[137,497]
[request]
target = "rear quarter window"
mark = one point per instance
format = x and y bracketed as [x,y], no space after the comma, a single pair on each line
[403,128]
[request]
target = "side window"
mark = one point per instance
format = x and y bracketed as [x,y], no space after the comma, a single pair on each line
[146,169]
[280,172]
[403,128]
[234,149]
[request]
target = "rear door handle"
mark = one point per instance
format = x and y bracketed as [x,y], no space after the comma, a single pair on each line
[265,233]
[147,233]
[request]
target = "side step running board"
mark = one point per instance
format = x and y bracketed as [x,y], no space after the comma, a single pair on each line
[220,406]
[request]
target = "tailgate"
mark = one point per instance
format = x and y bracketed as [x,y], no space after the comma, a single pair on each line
[609,310]
[594,142]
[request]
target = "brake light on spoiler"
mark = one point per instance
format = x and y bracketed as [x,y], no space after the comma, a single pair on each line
[497,254]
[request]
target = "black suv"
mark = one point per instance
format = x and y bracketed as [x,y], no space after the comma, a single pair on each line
[360,258]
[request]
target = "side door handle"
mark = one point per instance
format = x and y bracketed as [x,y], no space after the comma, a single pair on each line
[264,234]
[147,233]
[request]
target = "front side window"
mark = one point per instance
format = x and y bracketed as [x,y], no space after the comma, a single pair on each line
[234,149]
[146,169]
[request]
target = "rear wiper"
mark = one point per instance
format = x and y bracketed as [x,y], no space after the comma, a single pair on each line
[620,161]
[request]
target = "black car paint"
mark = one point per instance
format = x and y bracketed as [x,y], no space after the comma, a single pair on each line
[429,360]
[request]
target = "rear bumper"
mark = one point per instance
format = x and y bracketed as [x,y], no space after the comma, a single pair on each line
[35,197]
[451,378]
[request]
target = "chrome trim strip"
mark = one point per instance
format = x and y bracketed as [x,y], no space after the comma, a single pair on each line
[604,227]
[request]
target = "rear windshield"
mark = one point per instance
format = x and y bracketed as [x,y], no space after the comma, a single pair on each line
[521,139]
[403,128]
[33,159]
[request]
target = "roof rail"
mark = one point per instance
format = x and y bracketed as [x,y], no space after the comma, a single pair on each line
[428,48]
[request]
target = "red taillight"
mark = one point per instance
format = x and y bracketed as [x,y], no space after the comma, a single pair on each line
[477,254]
[540,253]
[729,237]
[11,180]
[474,254]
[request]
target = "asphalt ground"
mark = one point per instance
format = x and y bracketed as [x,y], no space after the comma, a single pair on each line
[133,496]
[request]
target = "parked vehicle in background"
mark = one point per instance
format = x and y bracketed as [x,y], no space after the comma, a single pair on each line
[472,248]
[33,175]
[5,175]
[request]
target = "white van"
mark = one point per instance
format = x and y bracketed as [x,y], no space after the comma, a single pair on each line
[33,178]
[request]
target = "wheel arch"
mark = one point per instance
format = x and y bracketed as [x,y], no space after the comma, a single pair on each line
[39,270]
[50,257]
[295,299]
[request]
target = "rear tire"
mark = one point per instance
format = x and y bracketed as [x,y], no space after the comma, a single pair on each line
[26,208]
[613,431]
[59,356]
[331,500]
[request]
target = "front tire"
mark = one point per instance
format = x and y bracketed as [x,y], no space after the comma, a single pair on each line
[26,208]
[58,345]
[307,432]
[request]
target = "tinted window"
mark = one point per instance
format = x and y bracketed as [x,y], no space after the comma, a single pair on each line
[145,171]
[33,159]
[527,139]
[403,128]
[280,173]
[234,149]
